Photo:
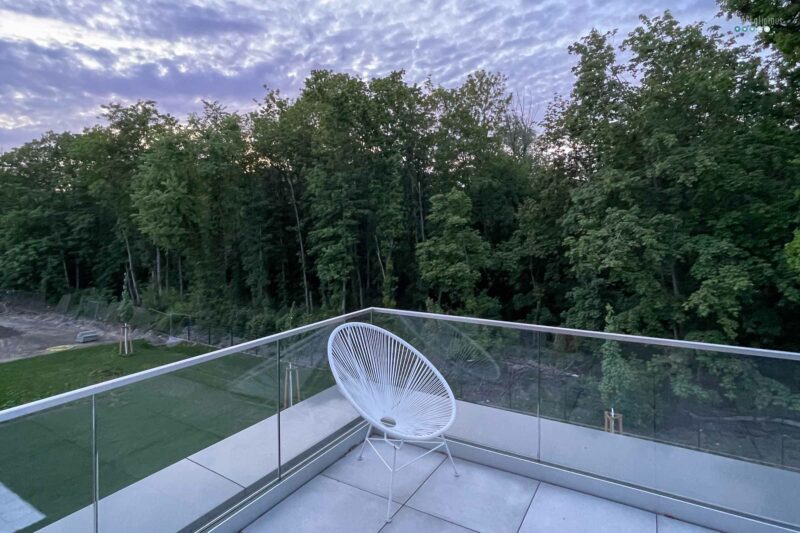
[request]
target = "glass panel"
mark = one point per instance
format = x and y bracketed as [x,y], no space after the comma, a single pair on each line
[313,412]
[598,407]
[46,468]
[493,371]
[195,437]
[736,421]
[592,382]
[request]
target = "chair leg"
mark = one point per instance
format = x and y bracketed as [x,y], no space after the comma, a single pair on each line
[364,444]
[391,485]
[450,456]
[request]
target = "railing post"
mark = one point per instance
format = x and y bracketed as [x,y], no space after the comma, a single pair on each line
[95,466]
[278,402]
[538,345]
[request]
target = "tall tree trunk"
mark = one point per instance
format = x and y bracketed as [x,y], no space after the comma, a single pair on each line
[180,275]
[421,212]
[380,260]
[676,293]
[134,287]
[534,287]
[77,275]
[158,269]
[344,295]
[367,283]
[260,289]
[66,271]
[360,286]
[307,293]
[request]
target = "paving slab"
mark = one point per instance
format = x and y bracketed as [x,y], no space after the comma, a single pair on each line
[251,455]
[324,504]
[481,498]
[370,473]
[410,520]
[168,501]
[567,511]
[16,513]
[187,491]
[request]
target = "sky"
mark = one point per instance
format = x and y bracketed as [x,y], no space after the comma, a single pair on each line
[61,60]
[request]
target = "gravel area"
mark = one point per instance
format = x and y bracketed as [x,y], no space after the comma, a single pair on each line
[27,334]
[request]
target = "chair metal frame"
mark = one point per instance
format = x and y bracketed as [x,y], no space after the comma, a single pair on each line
[356,352]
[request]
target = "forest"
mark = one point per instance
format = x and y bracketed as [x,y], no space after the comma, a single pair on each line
[660,197]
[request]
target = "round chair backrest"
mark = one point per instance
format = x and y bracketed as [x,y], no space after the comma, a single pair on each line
[393,386]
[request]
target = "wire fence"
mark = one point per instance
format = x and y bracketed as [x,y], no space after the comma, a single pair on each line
[23,300]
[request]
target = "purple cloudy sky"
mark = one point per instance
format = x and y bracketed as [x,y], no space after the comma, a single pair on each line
[60,60]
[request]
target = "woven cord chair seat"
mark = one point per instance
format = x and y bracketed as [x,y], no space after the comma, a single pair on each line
[390,383]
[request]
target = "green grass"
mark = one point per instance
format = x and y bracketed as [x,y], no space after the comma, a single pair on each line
[26,380]
[141,428]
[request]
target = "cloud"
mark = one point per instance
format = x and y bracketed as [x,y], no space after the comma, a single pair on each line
[61,60]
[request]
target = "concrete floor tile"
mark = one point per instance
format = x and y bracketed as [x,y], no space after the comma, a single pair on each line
[324,505]
[482,498]
[568,511]
[409,520]
[370,473]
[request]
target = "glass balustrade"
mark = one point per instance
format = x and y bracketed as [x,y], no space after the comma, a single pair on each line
[719,426]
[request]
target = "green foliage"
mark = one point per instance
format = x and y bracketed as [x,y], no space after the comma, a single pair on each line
[659,198]
[618,376]
[450,261]
[125,308]
[679,210]
[782,17]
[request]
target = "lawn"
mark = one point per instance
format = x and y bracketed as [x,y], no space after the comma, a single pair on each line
[26,380]
[45,458]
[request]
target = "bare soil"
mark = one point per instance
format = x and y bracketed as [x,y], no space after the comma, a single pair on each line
[26,334]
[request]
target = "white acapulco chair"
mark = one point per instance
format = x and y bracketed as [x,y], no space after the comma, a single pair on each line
[395,388]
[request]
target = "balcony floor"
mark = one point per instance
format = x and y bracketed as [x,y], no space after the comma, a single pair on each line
[350,497]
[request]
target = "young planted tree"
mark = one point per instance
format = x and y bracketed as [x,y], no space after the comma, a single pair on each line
[124,315]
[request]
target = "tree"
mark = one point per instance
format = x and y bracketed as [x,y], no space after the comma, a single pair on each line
[124,314]
[451,260]
[652,199]
[106,160]
[164,194]
[782,18]
[47,218]
[649,232]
